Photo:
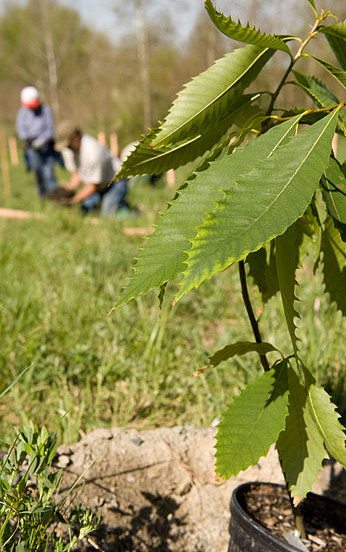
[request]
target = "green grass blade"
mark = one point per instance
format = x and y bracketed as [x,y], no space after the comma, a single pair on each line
[252,422]
[287,262]
[300,445]
[247,34]
[260,205]
[15,381]
[327,420]
[164,254]
[334,265]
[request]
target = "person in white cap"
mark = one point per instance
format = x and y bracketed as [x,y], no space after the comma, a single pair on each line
[35,127]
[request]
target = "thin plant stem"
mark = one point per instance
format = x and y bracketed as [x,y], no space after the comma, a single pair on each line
[297,513]
[280,85]
[250,312]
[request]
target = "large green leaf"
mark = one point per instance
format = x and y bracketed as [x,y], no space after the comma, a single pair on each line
[252,422]
[201,114]
[336,36]
[327,420]
[334,191]
[300,445]
[287,262]
[263,271]
[149,159]
[208,97]
[247,34]
[337,73]
[260,205]
[334,265]
[164,254]
[240,348]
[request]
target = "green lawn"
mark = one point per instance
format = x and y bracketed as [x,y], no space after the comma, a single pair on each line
[59,278]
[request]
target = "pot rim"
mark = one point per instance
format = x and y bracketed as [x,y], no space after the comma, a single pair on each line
[244,518]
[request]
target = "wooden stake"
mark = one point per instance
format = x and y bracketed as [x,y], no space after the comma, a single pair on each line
[170,177]
[114,144]
[13,149]
[335,144]
[101,136]
[5,173]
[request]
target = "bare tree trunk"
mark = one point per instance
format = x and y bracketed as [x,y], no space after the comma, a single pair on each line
[211,45]
[51,58]
[143,60]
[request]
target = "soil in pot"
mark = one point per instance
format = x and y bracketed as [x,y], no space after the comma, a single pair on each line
[325,520]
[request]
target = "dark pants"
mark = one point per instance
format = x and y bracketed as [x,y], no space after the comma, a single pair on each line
[41,161]
[110,201]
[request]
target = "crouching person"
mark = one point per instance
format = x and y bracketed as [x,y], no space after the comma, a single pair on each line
[92,169]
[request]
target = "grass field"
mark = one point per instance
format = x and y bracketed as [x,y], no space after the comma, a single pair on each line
[59,278]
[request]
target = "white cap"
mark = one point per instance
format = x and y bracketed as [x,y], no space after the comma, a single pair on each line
[30,97]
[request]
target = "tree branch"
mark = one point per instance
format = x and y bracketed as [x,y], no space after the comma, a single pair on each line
[251,315]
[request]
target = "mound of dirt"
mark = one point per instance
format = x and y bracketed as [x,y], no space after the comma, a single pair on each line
[156,490]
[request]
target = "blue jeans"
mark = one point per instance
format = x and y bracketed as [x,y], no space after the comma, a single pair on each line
[110,201]
[42,163]
[114,198]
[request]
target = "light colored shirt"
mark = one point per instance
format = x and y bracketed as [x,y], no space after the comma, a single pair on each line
[35,125]
[94,162]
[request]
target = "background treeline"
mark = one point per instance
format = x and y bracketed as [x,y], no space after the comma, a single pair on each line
[124,84]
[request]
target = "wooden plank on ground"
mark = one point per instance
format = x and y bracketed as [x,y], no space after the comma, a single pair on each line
[17,214]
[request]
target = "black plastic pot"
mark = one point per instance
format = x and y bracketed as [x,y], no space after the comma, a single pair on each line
[247,535]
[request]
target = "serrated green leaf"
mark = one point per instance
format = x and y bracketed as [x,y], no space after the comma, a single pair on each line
[338,74]
[327,420]
[300,445]
[149,159]
[336,36]
[321,95]
[260,205]
[201,114]
[334,265]
[164,254]
[240,348]
[263,271]
[247,34]
[316,89]
[287,262]
[252,422]
[208,97]
[334,191]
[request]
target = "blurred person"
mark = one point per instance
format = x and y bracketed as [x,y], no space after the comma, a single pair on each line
[93,167]
[35,127]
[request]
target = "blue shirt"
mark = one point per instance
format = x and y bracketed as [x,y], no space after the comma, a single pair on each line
[35,125]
